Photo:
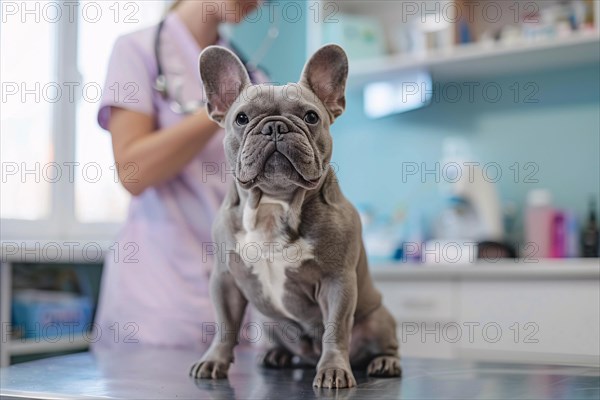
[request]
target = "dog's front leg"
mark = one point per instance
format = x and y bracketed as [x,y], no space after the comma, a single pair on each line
[337,300]
[230,304]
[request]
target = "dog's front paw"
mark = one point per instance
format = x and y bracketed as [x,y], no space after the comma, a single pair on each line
[207,369]
[334,377]
[384,366]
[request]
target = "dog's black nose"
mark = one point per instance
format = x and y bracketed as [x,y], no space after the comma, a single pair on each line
[274,129]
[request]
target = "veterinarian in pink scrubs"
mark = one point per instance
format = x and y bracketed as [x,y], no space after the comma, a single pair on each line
[155,287]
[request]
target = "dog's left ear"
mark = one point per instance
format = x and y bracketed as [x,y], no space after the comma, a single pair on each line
[224,77]
[325,75]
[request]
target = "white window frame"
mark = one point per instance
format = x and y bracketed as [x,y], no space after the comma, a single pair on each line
[62,223]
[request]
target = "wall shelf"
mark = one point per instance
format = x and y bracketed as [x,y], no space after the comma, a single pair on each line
[477,61]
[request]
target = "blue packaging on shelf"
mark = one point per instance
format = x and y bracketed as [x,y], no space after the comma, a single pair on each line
[50,315]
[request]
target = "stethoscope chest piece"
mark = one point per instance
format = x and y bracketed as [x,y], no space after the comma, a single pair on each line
[160,85]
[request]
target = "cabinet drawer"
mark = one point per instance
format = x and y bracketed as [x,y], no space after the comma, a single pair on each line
[555,320]
[420,301]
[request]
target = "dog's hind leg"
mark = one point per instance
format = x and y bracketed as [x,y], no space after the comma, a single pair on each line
[288,350]
[277,357]
[374,344]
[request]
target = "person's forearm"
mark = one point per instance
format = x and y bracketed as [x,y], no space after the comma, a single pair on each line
[154,158]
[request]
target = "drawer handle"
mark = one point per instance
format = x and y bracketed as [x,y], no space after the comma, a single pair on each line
[419,304]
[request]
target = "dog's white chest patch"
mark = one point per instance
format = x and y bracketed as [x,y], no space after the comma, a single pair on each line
[265,247]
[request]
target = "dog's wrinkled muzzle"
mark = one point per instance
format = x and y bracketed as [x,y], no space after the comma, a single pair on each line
[277,150]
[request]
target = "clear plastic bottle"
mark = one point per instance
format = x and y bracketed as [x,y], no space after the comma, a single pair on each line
[458,221]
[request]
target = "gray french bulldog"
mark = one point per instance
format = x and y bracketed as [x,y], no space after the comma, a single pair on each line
[293,245]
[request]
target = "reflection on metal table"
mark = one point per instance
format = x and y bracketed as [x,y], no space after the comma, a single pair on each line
[153,373]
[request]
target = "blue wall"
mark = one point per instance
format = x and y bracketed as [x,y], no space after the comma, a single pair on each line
[560,133]
[286,57]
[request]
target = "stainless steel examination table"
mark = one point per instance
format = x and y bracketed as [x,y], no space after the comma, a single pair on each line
[150,373]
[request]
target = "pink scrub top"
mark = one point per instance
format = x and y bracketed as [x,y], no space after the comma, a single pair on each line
[155,281]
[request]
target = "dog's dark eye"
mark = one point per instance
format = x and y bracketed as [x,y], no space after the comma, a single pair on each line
[241,119]
[311,117]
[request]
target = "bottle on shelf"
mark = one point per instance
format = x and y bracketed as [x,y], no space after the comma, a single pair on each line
[539,216]
[589,237]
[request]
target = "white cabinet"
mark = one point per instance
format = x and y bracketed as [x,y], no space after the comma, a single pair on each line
[429,301]
[548,312]
[418,307]
[554,321]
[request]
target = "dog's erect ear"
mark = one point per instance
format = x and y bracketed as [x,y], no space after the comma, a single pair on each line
[325,74]
[224,77]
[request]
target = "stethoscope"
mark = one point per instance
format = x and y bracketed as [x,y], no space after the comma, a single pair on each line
[176,103]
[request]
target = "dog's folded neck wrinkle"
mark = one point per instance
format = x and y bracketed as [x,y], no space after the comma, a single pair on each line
[295,211]
[254,196]
[293,215]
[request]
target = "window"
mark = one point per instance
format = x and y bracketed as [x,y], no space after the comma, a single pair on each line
[26,117]
[98,197]
[58,175]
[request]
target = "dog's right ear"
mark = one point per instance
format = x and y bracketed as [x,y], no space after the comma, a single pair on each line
[224,77]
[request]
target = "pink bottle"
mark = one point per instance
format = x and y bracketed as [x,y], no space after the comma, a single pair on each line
[559,235]
[539,216]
